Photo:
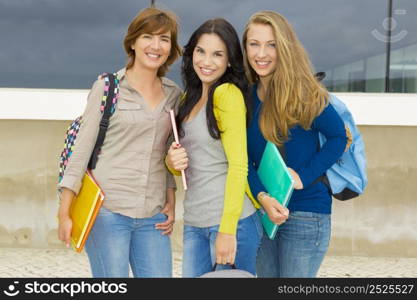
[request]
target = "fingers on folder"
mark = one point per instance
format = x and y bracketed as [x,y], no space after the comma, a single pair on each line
[280,214]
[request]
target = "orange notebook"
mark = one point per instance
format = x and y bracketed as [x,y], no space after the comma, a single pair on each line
[84,210]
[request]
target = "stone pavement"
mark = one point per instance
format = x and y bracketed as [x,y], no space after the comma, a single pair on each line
[20,262]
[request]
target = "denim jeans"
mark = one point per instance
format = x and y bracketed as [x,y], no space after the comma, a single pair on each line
[298,248]
[199,247]
[116,241]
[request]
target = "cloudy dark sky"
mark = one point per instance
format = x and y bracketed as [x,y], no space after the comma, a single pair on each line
[66,43]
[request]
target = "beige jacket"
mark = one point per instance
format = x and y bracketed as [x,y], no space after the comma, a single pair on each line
[130,168]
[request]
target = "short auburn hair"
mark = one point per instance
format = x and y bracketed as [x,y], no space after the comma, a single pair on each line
[152,20]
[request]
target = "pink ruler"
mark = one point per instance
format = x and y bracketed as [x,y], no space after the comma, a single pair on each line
[174,128]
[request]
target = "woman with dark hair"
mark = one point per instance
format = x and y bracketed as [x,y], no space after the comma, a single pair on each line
[220,222]
[137,215]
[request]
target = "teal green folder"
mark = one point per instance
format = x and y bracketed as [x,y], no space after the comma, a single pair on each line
[277,180]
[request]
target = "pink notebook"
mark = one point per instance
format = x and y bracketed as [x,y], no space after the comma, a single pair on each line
[174,128]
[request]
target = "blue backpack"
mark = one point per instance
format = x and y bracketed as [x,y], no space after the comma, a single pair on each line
[347,177]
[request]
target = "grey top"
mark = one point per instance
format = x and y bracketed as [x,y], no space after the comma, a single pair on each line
[206,175]
[130,168]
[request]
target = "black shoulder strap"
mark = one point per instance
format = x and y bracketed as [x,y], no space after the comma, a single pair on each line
[104,123]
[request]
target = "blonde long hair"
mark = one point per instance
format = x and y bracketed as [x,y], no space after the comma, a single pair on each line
[293,95]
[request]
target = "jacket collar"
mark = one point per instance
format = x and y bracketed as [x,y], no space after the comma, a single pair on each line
[165,81]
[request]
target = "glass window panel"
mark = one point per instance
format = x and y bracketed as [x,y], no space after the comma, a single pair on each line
[65,44]
[403,62]
[336,33]
[375,66]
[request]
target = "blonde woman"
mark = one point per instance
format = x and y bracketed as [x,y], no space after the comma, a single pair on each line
[290,109]
[136,219]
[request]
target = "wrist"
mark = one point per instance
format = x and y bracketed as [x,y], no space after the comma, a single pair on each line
[170,203]
[261,196]
[63,215]
[225,234]
[170,195]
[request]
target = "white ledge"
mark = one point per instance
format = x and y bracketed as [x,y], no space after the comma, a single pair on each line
[50,104]
[42,104]
[382,108]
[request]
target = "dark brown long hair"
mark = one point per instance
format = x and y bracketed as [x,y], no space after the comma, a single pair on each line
[234,74]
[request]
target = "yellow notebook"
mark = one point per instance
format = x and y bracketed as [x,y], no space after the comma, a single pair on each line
[84,209]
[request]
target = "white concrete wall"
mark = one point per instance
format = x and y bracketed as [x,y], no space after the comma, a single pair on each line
[38,104]
[382,222]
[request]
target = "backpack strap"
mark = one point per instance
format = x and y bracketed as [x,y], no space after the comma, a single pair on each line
[110,94]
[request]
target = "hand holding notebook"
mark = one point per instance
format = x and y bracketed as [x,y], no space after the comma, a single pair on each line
[278,181]
[84,210]
[277,213]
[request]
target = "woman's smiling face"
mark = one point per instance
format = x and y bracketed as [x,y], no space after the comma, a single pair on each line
[210,58]
[261,49]
[152,50]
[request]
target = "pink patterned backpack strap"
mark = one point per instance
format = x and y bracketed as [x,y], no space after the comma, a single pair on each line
[107,108]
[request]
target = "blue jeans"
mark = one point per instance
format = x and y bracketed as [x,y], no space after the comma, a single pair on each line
[199,247]
[116,240]
[298,248]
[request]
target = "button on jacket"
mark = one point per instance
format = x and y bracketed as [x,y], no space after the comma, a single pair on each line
[130,168]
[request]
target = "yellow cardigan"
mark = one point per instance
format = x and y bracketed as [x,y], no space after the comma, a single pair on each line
[230,113]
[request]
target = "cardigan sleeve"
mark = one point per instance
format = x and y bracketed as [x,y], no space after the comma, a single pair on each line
[230,113]
[331,125]
[255,185]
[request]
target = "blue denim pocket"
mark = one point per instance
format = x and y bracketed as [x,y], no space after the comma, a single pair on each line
[305,216]
[159,217]
[300,226]
[105,212]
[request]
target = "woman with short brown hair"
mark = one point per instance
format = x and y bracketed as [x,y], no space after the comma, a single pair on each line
[137,215]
